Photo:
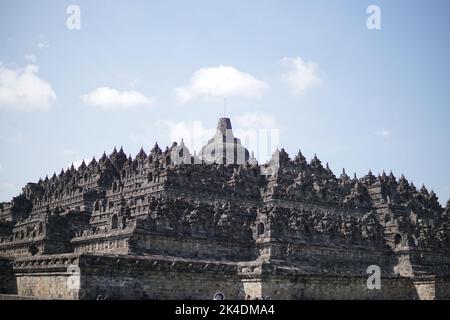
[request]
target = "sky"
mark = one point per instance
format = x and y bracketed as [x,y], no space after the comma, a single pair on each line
[80,77]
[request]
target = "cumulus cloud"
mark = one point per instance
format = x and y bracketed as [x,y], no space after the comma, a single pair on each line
[31,58]
[299,75]
[107,98]
[220,82]
[23,89]
[383,133]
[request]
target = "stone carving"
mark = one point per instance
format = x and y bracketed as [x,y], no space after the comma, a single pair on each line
[174,203]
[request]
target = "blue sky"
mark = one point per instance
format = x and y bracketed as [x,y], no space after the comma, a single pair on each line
[361,99]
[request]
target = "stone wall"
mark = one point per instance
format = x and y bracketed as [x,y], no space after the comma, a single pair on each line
[46,285]
[267,279]
[442,288]
[51,277]
[432,287]
[156,277]
[160,285]
[150,243]
[336,287]
[116,242]
[94,276]
[7,280]
[326,258]
[97,276]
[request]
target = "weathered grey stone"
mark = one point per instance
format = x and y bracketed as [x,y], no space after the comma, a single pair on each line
[165,227]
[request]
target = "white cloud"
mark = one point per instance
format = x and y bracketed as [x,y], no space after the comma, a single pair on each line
[299,75]
[1,167]
[107,98]
[383,133]
[256,120]
[31,58]
[43,45]
[220,82]
[23,89]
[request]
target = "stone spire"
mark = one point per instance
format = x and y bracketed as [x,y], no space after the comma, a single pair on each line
[103,158]
[391,176]
[224,127]
[156,149]
[315,162]
[299,158]
[92,163]
[424,191]
[252,160]
[344,177]
[283,157]
[141,155]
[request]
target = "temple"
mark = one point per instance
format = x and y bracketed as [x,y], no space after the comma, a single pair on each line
[175,225]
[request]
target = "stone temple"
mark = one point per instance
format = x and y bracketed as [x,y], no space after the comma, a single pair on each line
[172,225]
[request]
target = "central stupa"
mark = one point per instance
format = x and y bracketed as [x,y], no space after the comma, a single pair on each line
[224,148]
